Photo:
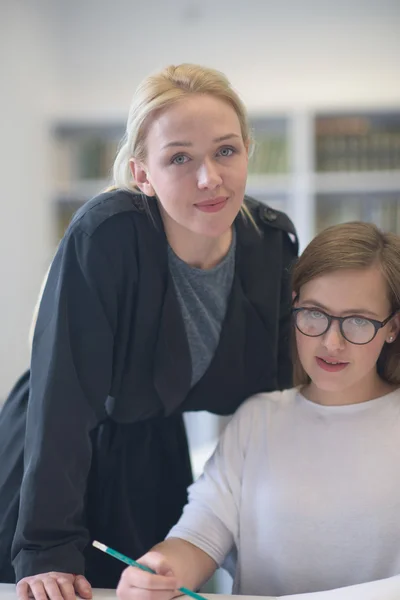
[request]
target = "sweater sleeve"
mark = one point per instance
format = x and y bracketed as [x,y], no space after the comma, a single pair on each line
[71,372]
[211,518]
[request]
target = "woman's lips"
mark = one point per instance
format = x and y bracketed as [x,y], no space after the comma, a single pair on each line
[331,365]
[214,205]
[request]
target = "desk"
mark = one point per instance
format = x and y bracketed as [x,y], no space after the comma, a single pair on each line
[7,592]
[385,589]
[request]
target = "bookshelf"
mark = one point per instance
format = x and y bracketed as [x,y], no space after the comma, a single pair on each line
[82,161]
[357,168]
[381,208]
[320,167]
[357,143]
[84,155]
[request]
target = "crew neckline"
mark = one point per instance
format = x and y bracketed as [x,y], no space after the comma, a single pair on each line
[349,408]
[215,268]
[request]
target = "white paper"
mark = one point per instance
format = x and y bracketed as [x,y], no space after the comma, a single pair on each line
[384,589]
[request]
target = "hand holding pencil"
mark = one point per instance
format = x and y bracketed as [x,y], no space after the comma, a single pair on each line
[162,585]
[152,578]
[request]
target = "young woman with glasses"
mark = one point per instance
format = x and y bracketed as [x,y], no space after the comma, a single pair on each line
[304,487]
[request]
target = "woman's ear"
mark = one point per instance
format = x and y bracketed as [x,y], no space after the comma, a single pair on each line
[141,177]
[295,297]
[394,328]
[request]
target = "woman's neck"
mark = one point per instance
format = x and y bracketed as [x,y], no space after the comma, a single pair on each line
[197,250]
[362,391]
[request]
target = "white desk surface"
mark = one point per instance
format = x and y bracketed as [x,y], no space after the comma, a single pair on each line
[384,589]
[7,592]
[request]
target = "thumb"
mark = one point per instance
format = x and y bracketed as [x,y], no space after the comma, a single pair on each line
[165,570]
[157,561]
[83,587]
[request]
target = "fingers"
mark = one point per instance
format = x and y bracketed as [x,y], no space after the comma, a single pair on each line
[32,588]
[51,589]
[134,577]
[47,586]
[135,583]
[126,591]
[42,589]
[66,586]
[37,590]
[82,587]
[22,590]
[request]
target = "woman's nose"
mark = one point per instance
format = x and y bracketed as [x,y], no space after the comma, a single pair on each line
[333,340]
[208,176]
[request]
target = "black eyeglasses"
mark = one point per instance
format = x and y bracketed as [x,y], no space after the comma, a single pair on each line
[354,328]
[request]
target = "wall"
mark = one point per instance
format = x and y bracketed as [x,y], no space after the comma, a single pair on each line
[278,53]
[28,95]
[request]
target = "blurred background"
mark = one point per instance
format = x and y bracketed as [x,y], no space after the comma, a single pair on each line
[321,80]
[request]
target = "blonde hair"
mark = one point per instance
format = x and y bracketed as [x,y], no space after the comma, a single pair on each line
[155,93]
[36,310]
[159,91]
[353,246]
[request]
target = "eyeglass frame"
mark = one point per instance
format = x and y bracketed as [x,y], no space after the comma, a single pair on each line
[377,324]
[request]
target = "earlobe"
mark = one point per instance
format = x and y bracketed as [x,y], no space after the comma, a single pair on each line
[395,326]
[392,336]
[140,176]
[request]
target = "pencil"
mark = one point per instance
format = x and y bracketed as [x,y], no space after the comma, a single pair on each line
[133,563]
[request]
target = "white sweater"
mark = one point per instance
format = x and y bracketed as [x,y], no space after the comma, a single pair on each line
[308,495]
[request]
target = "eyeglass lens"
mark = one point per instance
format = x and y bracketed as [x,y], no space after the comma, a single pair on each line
[355,329]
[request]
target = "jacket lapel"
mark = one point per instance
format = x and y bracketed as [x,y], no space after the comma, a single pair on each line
[243,363]
[172,366]
[172,362]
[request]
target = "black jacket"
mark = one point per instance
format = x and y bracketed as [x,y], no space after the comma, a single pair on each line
[105,447]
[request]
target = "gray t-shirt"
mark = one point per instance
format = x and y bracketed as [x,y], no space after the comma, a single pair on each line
[203,298]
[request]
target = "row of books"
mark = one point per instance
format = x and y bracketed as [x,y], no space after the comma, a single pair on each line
[270,155]
[89,157]
[345,143]
[383,210]
[357,143]
[93,158]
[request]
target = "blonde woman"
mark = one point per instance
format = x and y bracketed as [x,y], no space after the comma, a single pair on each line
[304,486]
[169,293]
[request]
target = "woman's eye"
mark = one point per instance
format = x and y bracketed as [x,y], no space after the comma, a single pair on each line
[181,159]
[226,151]
[359,321]
[316,314]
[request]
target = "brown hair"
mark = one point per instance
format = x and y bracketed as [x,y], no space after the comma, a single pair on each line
[353,246]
